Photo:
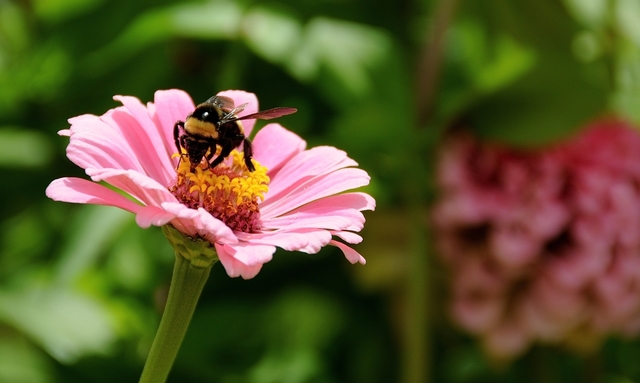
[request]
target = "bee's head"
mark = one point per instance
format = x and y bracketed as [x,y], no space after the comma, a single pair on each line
[204,121]
[207,113]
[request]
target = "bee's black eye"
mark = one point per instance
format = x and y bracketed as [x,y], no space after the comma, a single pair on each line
[206,113]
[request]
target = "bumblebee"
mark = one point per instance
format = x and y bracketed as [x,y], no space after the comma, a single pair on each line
[215,123]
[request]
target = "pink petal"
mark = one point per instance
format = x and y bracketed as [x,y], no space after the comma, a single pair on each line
[96,144]
[348,236]
[314,189]
[316,240]
[139,130]
[338,220]
[138,185]
[513,246]
[310,163]
[185,218]
[333,212]
[351,255]
[305,240]
[213,229]
[477,314]
[78,190]
[153,215]
[359,201]
[274,146]
[199,223]
[241,97]
[235,268]
[169,107]
[251,254]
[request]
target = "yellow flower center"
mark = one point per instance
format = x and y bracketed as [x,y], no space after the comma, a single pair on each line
[230,192]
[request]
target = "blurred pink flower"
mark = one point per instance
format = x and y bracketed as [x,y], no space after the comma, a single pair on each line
[543,245]
[131,148]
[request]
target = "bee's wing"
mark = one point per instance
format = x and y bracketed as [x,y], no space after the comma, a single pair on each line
[268,114]
[232,113]
[225,103]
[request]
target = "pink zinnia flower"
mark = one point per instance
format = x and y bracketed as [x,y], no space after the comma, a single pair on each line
[294,200]
[543,245]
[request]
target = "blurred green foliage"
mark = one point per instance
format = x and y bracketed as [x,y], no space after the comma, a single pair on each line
[81,287]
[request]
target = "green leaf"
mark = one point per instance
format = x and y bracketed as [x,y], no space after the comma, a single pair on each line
[24,148]
[627,16]
[23,239]
[510,62]
[272,34]
[37,77]
[60,10]
[490,63]
[14,33]
[93,229]
[66,324]
[590,13]
[346,50]
[149,28]
[213,20]
[21,362]
[549,104]
[626,98]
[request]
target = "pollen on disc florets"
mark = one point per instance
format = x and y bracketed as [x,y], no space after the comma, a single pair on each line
[230,192]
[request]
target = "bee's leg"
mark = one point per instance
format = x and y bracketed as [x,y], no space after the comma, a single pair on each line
[211,152]
[213,147]
[176,135]
[248,154]
[177,139]
[224,153]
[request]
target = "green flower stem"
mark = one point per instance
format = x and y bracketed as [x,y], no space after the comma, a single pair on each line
[194,259]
